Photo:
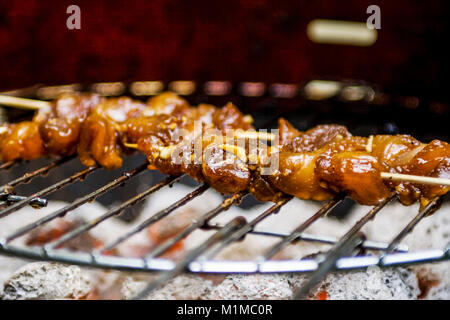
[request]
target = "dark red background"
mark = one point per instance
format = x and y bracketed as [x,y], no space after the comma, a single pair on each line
[215,40]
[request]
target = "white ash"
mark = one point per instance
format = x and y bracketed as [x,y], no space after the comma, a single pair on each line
[44,280]
[8,265]
[373,284]
[183,287]
[253,287]
[376,283]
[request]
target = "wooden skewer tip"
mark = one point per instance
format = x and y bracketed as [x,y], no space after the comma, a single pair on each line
[131,145]
[415,179]
[23,103]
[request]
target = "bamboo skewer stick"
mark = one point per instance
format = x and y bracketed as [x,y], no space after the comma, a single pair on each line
[415,179]
[252,134]
[130,145]
[23,103]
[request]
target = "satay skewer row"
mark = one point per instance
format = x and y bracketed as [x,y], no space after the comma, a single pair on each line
[166,151]
[34,104]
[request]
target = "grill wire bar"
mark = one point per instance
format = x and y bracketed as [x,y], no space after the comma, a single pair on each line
[80,201]
[7,165]
[8,199]
[27,177]
[156,217]
[232,231]
[323,211]
[432,206]
[113,212]
[18,205]
[303,236]
[8,193]
[197,223]
[348,243]
[229,229]
[247,227]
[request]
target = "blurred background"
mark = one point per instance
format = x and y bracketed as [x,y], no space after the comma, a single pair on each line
[236,40]
[239,41]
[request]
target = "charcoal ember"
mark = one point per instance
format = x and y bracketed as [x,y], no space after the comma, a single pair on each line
[44,280]
[56,228]
[434,281]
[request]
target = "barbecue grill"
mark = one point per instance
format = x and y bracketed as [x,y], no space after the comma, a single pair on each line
[264,101]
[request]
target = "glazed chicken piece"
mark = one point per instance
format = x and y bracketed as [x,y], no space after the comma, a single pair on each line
[166,103]
[157,137]
[357,174]
[299,153]
[60,125]
[169,144]
[296,176]
[224,164]
[107,124]
[354,165]
[165,123]
[101,131]
[318,137]
[310,174]
[21,141]
[432,160]
[54,130]
[404,154]
[395,151]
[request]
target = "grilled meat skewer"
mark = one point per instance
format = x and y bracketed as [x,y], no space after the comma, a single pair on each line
[315,164]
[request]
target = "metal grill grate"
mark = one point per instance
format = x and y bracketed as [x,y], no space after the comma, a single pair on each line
[199,260]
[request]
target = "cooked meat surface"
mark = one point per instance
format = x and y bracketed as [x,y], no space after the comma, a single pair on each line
[220,147]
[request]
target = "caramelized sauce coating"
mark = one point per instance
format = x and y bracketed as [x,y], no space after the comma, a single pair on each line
[318,137]
[228,173]
[60,126]
[297,177]
[99,139]
[168,142]
[315,164]
[431,161]
[396,151]
[357,174]
[21,141]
